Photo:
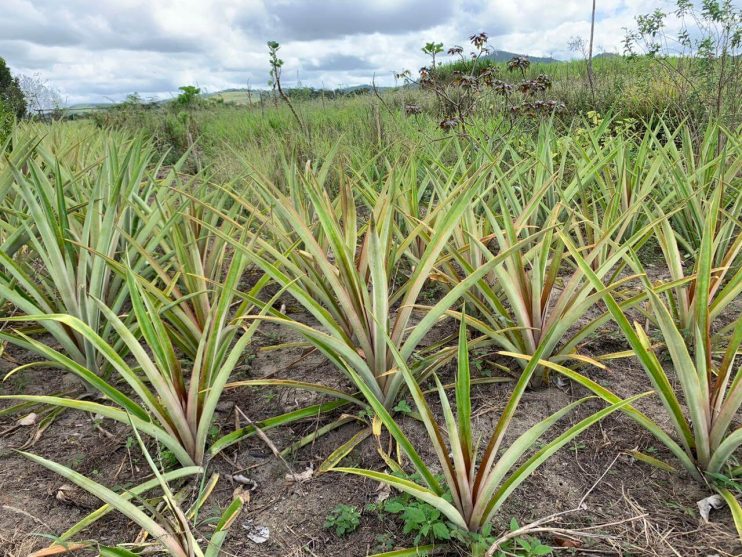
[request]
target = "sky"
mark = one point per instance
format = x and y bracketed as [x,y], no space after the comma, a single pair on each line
[102,50]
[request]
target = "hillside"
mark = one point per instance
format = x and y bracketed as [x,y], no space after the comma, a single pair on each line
[505,55]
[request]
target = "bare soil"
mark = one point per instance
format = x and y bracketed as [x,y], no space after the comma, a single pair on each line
[632,509]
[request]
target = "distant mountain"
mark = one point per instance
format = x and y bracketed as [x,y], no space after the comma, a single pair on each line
[87,106]
[504,56]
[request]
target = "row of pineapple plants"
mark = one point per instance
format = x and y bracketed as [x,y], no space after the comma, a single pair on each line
[137,272]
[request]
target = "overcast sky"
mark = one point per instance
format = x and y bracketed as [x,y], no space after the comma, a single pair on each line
[98,50]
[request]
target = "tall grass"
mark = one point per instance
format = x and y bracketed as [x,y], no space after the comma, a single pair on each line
[632,90]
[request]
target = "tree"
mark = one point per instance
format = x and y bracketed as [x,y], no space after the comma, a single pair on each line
[275,74]
[10,92]
[39,95]
[6,123]
[590,54]
[704,57]
[431,49]
[577,44]
[188,96]
[6,78]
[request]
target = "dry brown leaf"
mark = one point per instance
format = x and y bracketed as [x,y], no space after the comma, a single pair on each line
[56,549]
[242,494]
[301,476]
[567,542]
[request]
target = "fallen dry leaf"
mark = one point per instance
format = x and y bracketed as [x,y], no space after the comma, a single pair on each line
[706,504]
[28,420]
[255,533]
[383,492]
[56,549]
[244,480]
[242,494]
[567,542]
[301,476]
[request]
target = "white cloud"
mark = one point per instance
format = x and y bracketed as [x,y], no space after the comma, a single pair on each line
[98,50]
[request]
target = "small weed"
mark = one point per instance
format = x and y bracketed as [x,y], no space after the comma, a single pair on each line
[343,519]
[384,542]
[270,396]
[168,460]
[76,461]
[674,505]
[428,525]
[524,546]
[578,446]
[725,482]
[423,521]
[403,407]
[478,363]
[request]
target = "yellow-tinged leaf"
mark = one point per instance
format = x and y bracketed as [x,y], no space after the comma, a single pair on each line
[439,277]
[376,426]
[392,371]
[203,496]
[656,462]
[642,336]
[231,513]
[617,355]
[58,549]
[587,360]
[735,508]
[342,451]
[411,552]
